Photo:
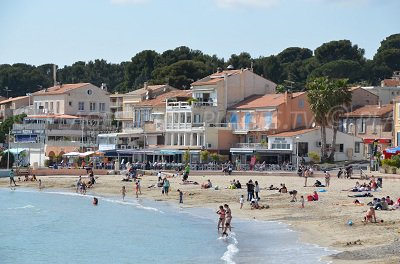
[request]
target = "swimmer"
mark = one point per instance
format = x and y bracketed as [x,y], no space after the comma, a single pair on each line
[123,191]
[95,201]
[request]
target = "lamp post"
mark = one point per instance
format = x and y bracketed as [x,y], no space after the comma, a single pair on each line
[297,152]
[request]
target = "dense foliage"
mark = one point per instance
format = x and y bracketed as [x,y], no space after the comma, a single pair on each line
[291,68]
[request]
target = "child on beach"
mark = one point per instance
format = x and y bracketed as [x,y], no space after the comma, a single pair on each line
[139,186]
[40,184]
[123,191]
[137,189]
[302,201]
[180,196]
[241,201]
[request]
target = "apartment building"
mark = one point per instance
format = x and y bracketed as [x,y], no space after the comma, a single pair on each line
[371,123]
[62,119]
[13,106]
[256,118]
[388,90]
[201,123]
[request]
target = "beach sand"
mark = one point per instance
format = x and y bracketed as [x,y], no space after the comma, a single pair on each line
[323,223]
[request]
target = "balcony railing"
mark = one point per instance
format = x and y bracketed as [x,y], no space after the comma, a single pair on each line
[179,106]
[62,127]
[251,145]
[200,104]
[237,127]
[124,114]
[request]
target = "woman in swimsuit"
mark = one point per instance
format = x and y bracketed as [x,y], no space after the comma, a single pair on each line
[221,220]
[228,219]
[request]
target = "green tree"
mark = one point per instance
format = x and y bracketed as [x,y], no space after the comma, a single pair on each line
[339,50]
[328,99]
[7,125]
[243,60]
[204,154]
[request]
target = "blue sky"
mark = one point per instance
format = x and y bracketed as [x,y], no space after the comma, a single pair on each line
[65,31]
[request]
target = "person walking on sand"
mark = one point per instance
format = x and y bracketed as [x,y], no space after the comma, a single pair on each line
[78,183]
[123,191]
[228,219]
[180,196]
[241,201]
[221,221]
[302,201]
[166,186]
[12,177]
[306,174]
[327,178]
[139,186]
[40,184]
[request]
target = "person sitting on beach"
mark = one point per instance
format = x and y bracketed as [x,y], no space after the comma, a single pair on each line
[373,184]
[293,194]
[26,178]
[381,204]
[318,184]
[238,185]
[283,188]
[315,196]
[126,178]
[255,205]
[389,201]
[33,178]
[206,185]
[232,185]
[369,215]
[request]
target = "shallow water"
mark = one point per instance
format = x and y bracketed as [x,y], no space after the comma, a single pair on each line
[57,227]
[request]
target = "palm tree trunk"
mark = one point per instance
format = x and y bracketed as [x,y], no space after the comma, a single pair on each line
[331,157]
[324,155]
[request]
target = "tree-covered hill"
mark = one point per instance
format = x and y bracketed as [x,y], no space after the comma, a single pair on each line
[181,66]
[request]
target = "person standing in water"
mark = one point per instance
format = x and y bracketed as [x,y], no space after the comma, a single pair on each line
[180,196]
[123,191]
[12,177]
[228,219]
[221,221]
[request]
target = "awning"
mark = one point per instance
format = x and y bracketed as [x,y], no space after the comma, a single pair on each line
[392,150]
[15,151]
[170,152]
[135,151]
[72,154]
[85,154]
[242,150]
[380,140]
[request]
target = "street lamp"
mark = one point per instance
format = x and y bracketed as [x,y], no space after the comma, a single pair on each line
[297,152]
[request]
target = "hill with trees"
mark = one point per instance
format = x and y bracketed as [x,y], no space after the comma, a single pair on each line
[181,66]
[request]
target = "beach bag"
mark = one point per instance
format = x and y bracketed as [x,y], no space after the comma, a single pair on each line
[310,198]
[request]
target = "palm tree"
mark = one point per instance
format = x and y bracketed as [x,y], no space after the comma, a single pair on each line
[328,99]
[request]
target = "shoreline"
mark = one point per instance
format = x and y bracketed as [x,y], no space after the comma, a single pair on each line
[327,216]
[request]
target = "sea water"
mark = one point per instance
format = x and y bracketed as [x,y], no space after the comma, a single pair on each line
[62,227]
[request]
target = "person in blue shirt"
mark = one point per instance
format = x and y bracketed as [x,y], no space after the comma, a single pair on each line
[12,177]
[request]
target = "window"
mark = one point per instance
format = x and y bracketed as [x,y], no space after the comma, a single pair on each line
[102,107]
[70,103]
[51,106]
[299,120]
[267,120]
[46,105]
[81,106]
[341,147]
[357,147]
[188,118]
[301,103]
[361,125]
[197,119]
[92,106]
[89,92]
[58,107]
[233,120]
[248,120]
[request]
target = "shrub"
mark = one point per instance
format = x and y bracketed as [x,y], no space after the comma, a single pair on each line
[314,156]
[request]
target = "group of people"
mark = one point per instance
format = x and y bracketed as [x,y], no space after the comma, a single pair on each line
[82,185]
[253,190]
[235,184]
[225,219]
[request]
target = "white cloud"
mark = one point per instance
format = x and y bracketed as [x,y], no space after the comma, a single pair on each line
[128,2]
[246,3]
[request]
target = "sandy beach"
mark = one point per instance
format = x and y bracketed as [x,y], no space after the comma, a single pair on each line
[323,222]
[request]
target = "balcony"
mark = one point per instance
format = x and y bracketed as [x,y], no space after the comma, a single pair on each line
[239,128]
[124,115]
[176,106]
[251,145]
[204,104]
[179,126]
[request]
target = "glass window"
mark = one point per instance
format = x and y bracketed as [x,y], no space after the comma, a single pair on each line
[92,106]
[51,106]
[357,147]
[299,120]
[57,107]
[81,106]
[301,103]
[268,120]
[102,107]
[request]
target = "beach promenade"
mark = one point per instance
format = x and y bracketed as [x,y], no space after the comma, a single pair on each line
[324,222]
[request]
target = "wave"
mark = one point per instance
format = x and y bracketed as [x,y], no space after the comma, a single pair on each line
[22,207]
[232,248]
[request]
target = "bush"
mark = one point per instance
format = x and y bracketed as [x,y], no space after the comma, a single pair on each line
[315,158]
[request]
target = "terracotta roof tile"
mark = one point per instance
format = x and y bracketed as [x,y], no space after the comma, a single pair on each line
[143,90]
[13,99]
[371,110]
[294,132]
[60,89]
[260,101]
[216,77]
[160,99]
[390,82]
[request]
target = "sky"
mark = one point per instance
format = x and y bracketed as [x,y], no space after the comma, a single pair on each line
[65,31]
